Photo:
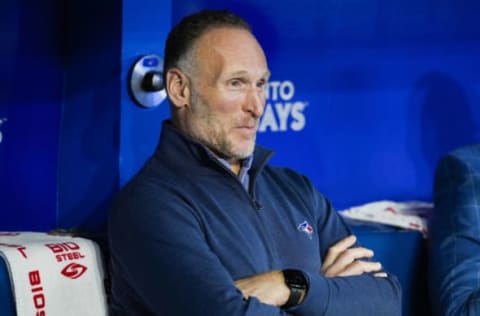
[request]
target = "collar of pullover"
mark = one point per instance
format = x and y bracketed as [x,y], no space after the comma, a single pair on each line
[179,149]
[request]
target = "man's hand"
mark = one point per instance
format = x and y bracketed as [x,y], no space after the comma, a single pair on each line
[342,260]
[268,288]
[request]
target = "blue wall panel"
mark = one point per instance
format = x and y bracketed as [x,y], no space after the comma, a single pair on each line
[144,31]
[67,120]
[89,138]
[30,103]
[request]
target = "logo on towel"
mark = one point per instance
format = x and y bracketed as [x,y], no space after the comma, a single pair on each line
[66,251]
[74,270]
[306,228]
[38,293]
[22,249]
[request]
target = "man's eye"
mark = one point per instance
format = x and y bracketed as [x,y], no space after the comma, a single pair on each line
[261,84]
[236,83]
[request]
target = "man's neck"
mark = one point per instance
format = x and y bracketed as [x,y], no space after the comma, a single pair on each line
[235,166]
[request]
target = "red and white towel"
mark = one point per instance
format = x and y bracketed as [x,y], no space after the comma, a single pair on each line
[408,215]
[54,275]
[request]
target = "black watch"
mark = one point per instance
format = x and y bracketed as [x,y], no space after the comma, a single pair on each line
[297,283]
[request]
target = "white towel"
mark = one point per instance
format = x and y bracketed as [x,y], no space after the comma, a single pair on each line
[54,275]
[408,215]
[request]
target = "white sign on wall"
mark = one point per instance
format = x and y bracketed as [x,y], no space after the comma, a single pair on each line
[282,112]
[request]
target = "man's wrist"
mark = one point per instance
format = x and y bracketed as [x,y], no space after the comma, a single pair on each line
[298,285]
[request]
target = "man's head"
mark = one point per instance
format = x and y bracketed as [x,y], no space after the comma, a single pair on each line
[215,75]
[183,36]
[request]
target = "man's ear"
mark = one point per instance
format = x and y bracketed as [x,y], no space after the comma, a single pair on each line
[178,87]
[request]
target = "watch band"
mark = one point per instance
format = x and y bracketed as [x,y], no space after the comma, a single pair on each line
[294,298]
[297,283]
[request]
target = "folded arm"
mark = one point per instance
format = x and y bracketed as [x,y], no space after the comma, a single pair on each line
[166,261]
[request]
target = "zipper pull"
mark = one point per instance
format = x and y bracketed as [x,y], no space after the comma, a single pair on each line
[258,206]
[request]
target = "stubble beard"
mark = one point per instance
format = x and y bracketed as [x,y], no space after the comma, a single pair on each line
[213,135]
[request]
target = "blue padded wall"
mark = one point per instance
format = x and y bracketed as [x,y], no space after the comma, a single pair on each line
[30,106]
[90,123]
[144,31]
[59,112]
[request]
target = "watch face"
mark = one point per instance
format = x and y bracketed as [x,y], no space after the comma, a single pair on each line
[295,278]
[298,285]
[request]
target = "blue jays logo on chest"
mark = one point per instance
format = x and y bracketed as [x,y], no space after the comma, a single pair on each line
[306,228]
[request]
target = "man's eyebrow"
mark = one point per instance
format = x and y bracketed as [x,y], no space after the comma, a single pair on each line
[238,73]
[266,75]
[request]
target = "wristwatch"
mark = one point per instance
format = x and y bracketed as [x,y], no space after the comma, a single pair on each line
[297,283]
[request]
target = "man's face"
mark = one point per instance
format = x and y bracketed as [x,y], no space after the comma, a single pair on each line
[227,92]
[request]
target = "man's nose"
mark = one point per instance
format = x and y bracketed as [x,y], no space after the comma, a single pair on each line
[255,101]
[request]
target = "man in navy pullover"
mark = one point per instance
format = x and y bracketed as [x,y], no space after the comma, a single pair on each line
[207,227]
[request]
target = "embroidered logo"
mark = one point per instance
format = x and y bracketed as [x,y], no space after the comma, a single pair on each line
[306,228]
[74,270]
